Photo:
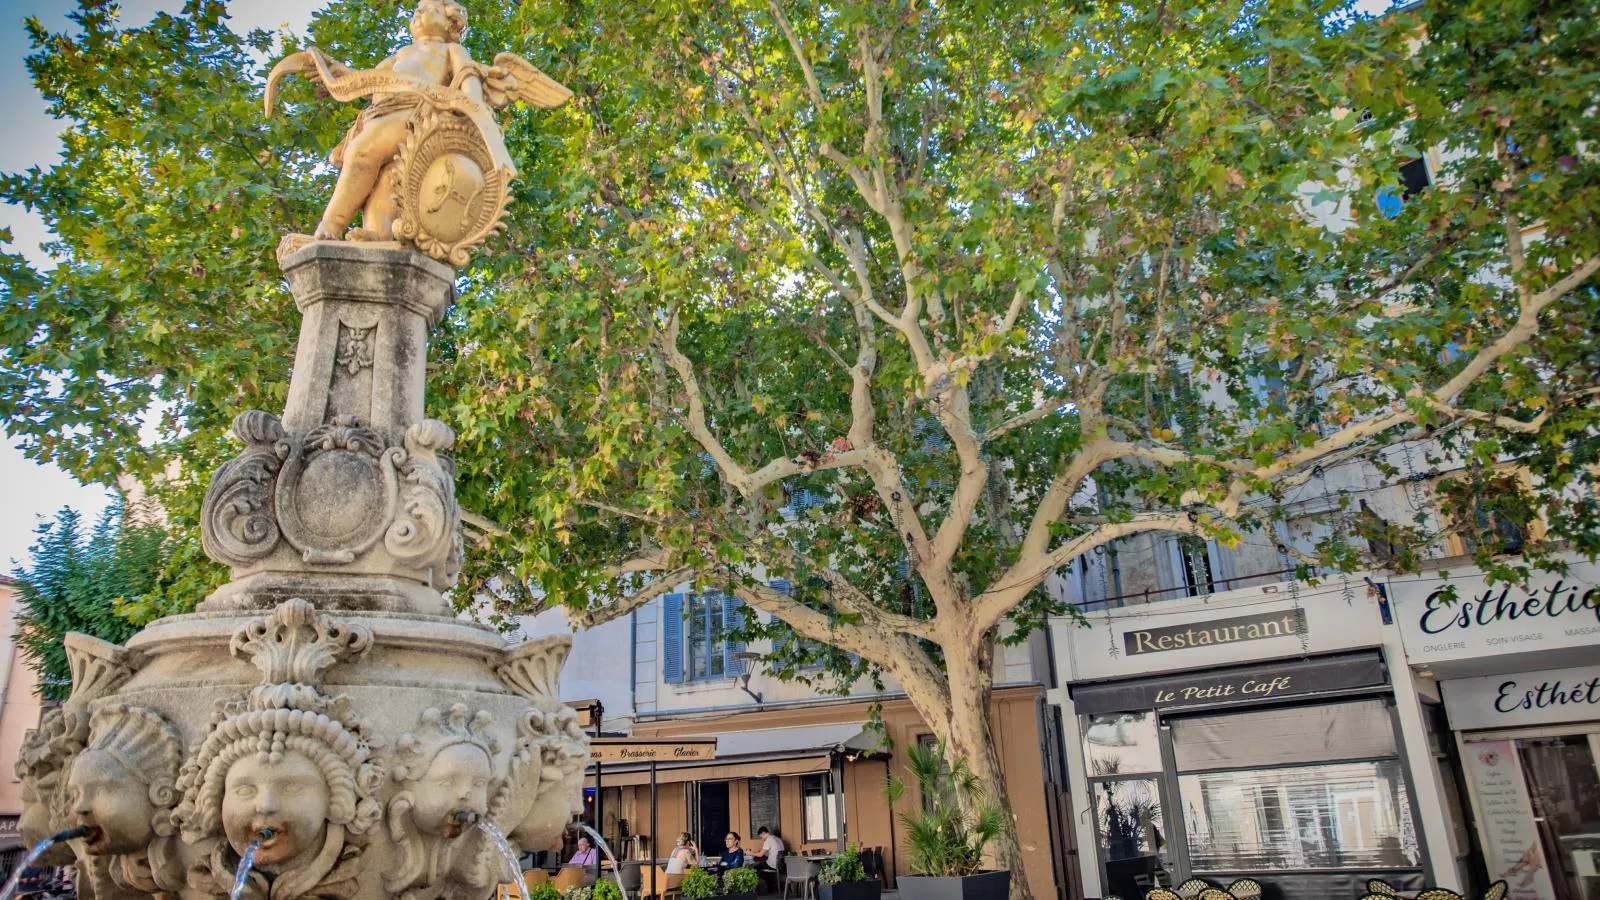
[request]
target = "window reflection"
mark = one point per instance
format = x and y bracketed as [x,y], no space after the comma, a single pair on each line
[1128,821]
[1121,743]
[1340,816]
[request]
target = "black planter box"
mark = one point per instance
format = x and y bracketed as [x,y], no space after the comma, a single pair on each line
[855,890]
[982,886]
[748,896]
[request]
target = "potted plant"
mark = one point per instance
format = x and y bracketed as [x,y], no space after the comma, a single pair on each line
[945,841]
[740,884]
[545,891]
[698,884]
[844,878]
[606,890]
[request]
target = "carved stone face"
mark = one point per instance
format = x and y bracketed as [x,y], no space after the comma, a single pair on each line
[432,21]
[457,779]
[103,793]
[288,796]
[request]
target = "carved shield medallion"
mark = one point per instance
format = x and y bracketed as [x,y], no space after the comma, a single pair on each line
[448,188]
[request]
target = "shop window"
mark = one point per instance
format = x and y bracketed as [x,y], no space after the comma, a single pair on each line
[1304,787]
[819,808]
[1120,744]
[697,642]
[1339,816]
[1128,826]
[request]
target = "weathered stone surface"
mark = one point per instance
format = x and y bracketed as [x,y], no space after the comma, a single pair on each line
[325,703]
[349,498]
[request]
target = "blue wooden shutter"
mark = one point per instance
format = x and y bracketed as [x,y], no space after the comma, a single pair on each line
[732,620]
[782,586]
[672,638]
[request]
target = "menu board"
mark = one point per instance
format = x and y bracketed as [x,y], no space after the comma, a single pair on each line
[1505,816]
[764,804]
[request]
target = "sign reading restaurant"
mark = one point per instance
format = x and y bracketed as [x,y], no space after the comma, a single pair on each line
[614,750]
[1217,631]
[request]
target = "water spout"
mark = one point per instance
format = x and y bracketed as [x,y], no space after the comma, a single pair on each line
[508,852]
[71,834]
[247,861]
[616,869]
[459,821]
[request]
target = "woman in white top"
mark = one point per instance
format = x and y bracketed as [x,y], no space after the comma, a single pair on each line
[684,855]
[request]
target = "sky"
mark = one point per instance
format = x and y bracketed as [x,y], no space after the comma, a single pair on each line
[34,491]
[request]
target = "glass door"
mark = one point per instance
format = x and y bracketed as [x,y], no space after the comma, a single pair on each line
[1564,790]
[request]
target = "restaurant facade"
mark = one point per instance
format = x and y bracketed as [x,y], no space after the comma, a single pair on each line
[811,766]
[1272,732]
[1519,670]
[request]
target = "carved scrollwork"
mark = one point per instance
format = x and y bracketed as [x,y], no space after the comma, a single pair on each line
[532,669]
[426,521]
[237,521]
[296,645]
[98,667]
[337,491]
[354,350]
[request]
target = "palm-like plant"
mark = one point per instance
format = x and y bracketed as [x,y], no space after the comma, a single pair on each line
[958,819]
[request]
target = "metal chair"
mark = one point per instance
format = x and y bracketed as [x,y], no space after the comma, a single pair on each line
[805,871]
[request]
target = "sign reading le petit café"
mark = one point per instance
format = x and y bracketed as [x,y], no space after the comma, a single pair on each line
[1216,631]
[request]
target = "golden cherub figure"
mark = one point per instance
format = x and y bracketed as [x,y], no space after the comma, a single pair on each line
[425,162]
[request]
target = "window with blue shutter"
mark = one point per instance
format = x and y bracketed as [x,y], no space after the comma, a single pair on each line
[672,627]
[733,621]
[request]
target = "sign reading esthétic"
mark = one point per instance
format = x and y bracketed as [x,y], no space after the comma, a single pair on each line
[612,750]
[1466,618]
[1217,631]
[1524,698]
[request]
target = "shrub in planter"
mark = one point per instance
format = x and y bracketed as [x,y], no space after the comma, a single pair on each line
[606,890]
[844,878]
[578,893]
[740,884]
[698,884]
[945,841]
[546,891]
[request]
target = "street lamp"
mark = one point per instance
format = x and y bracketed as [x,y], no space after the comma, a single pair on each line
[749,659]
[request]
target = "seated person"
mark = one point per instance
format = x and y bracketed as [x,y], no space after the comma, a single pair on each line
[586,856]
[684,855]
[771,853]
[733,856]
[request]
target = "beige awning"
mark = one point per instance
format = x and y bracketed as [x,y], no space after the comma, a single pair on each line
[756,753]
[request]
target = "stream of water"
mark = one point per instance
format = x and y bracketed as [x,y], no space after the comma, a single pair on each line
[247,861]
[38,850]
[507,851]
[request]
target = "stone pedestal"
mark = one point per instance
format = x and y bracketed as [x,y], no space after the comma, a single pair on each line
[326,693]
[348,498]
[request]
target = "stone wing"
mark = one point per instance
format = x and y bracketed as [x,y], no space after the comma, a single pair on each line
[532,86]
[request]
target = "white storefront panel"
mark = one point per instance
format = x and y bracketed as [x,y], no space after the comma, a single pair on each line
[1523,699]
[1461,624]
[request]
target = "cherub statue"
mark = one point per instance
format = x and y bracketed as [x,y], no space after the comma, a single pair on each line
[425,162]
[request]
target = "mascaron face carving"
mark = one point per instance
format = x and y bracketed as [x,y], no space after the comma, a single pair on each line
[124,782]
[286,758]
[444,769]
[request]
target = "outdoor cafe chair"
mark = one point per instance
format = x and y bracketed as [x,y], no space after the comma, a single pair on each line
[805,871]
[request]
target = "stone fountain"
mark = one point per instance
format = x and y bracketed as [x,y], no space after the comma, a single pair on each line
[325,710]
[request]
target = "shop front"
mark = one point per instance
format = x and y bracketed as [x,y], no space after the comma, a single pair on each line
[1519,669]
[1249,737]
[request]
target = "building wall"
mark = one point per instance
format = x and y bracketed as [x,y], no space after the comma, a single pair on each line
[869,821]
[19,701]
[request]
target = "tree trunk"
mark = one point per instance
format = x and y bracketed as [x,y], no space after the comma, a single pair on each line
[972,743]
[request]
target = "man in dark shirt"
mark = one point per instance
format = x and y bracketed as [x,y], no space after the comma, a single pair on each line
[733,856]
